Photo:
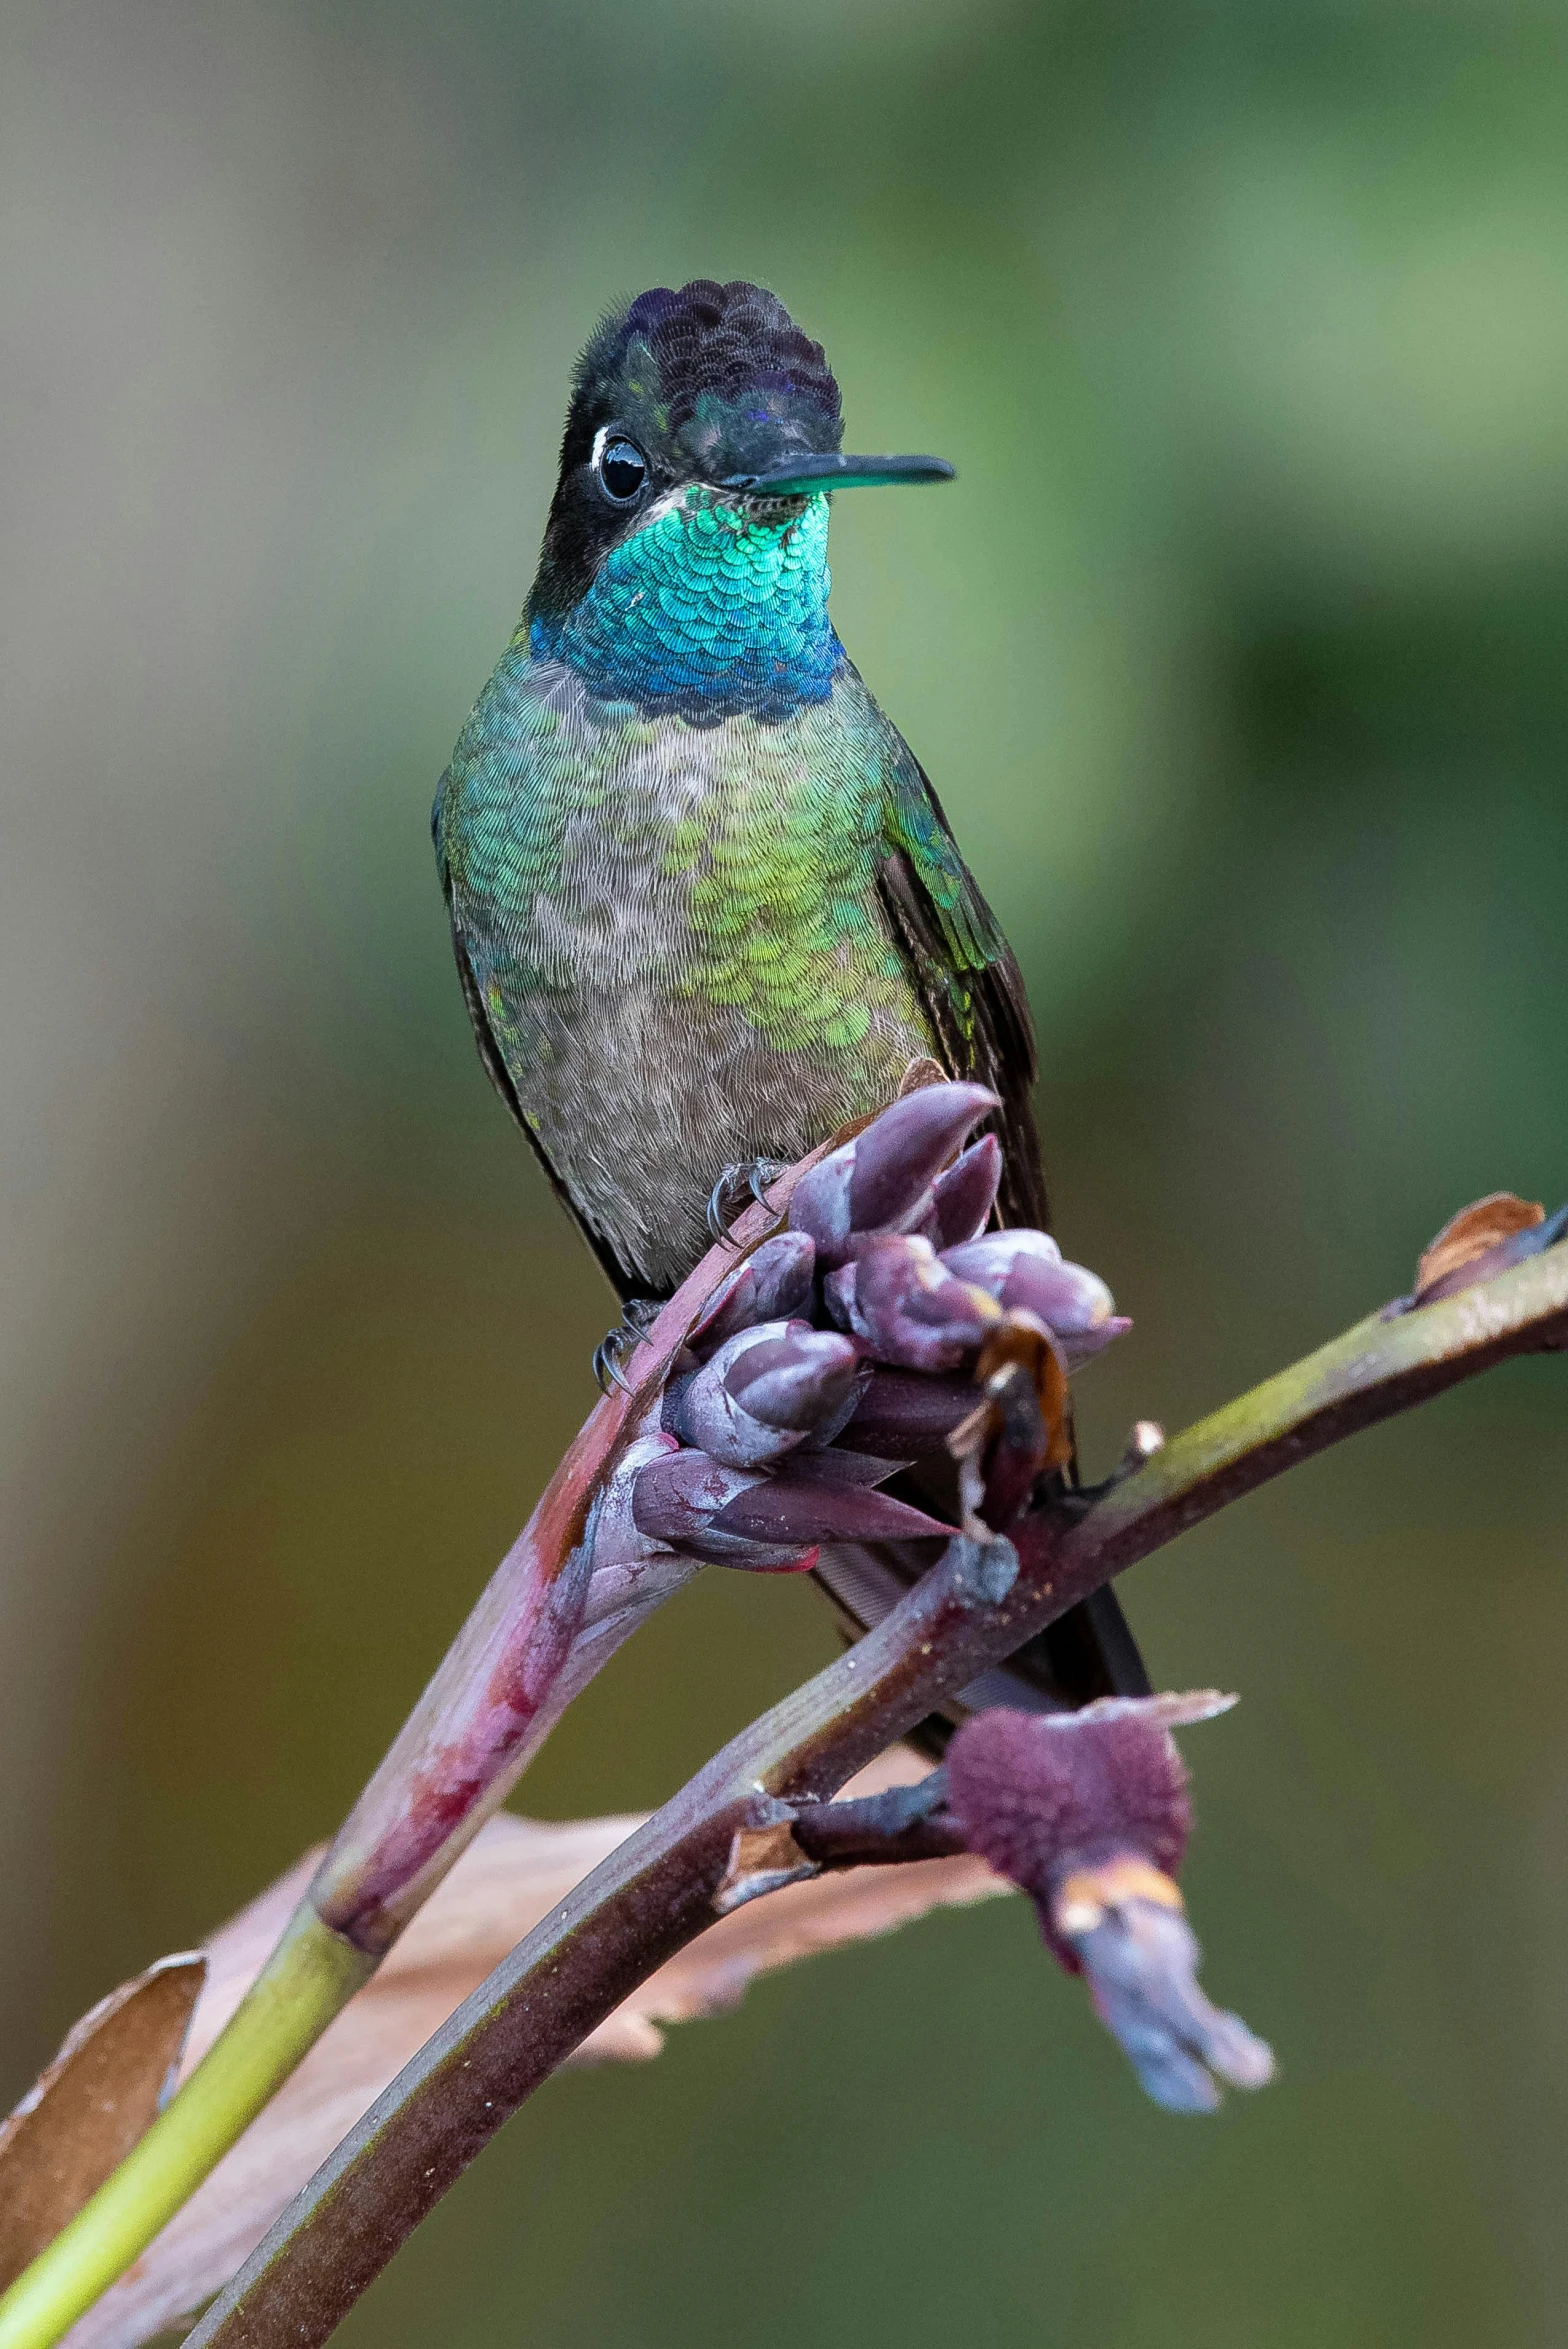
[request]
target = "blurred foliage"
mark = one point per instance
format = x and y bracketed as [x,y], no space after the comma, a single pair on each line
[1237,654]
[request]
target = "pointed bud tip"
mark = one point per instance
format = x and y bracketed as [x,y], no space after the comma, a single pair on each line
[901,1152]
[773,1283]
[681,1499]
[963,1197]
[795,1509]
[819,1205]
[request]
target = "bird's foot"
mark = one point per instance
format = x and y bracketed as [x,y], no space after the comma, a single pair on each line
[616,1348]
[736,1186]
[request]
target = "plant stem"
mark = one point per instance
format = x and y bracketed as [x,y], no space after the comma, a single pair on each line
[658,1891]
[310,1976]
[532,1642]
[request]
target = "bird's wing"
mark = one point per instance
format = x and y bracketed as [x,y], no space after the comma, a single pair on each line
[964,972]
[972,990]
[495,1067]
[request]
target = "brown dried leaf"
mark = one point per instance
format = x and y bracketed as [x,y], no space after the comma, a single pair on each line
[88,2109]
[1473,1232]
[513,1874]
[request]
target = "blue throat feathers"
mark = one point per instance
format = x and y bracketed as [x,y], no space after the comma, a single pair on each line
[709,611]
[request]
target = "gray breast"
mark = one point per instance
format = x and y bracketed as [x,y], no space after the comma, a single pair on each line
[638,1088]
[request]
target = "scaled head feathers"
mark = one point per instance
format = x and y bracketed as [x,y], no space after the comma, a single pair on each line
[713,372]
[696,385]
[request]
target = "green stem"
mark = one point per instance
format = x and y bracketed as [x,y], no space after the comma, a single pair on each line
[311,1974]
[397,1844]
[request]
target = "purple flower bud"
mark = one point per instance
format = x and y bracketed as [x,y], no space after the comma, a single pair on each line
[677,1498]
[772,1284]
[962,1199]
[770,1524]
[881,1181]
[989,1260]
[902,1416]
[813,1500]
[803,1383]
[905,1306]
[1088,1813]
[765,1391]
[901,1152]
[819,1204]
[1024,1271]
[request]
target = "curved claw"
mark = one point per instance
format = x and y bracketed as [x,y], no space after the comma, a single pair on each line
[745,1178]
[618,1344]
[720,1200]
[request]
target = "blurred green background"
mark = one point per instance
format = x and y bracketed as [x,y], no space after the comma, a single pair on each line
[1237,654]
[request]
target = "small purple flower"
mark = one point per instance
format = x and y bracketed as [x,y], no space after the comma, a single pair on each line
[1088,1813]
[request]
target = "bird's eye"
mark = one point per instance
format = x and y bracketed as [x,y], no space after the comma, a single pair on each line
[622,469]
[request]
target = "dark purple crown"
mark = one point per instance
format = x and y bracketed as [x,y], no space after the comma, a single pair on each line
[719,340]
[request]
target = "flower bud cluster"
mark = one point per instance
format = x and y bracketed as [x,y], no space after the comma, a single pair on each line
[844,1348]
[884,1329]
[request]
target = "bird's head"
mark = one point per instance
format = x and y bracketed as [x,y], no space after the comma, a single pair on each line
[707,400]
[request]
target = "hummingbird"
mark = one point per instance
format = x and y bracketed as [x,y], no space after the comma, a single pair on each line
[705,903]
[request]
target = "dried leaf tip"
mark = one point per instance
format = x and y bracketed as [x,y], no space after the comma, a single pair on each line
[92,2104]
[513,1875]
[1483,1239]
